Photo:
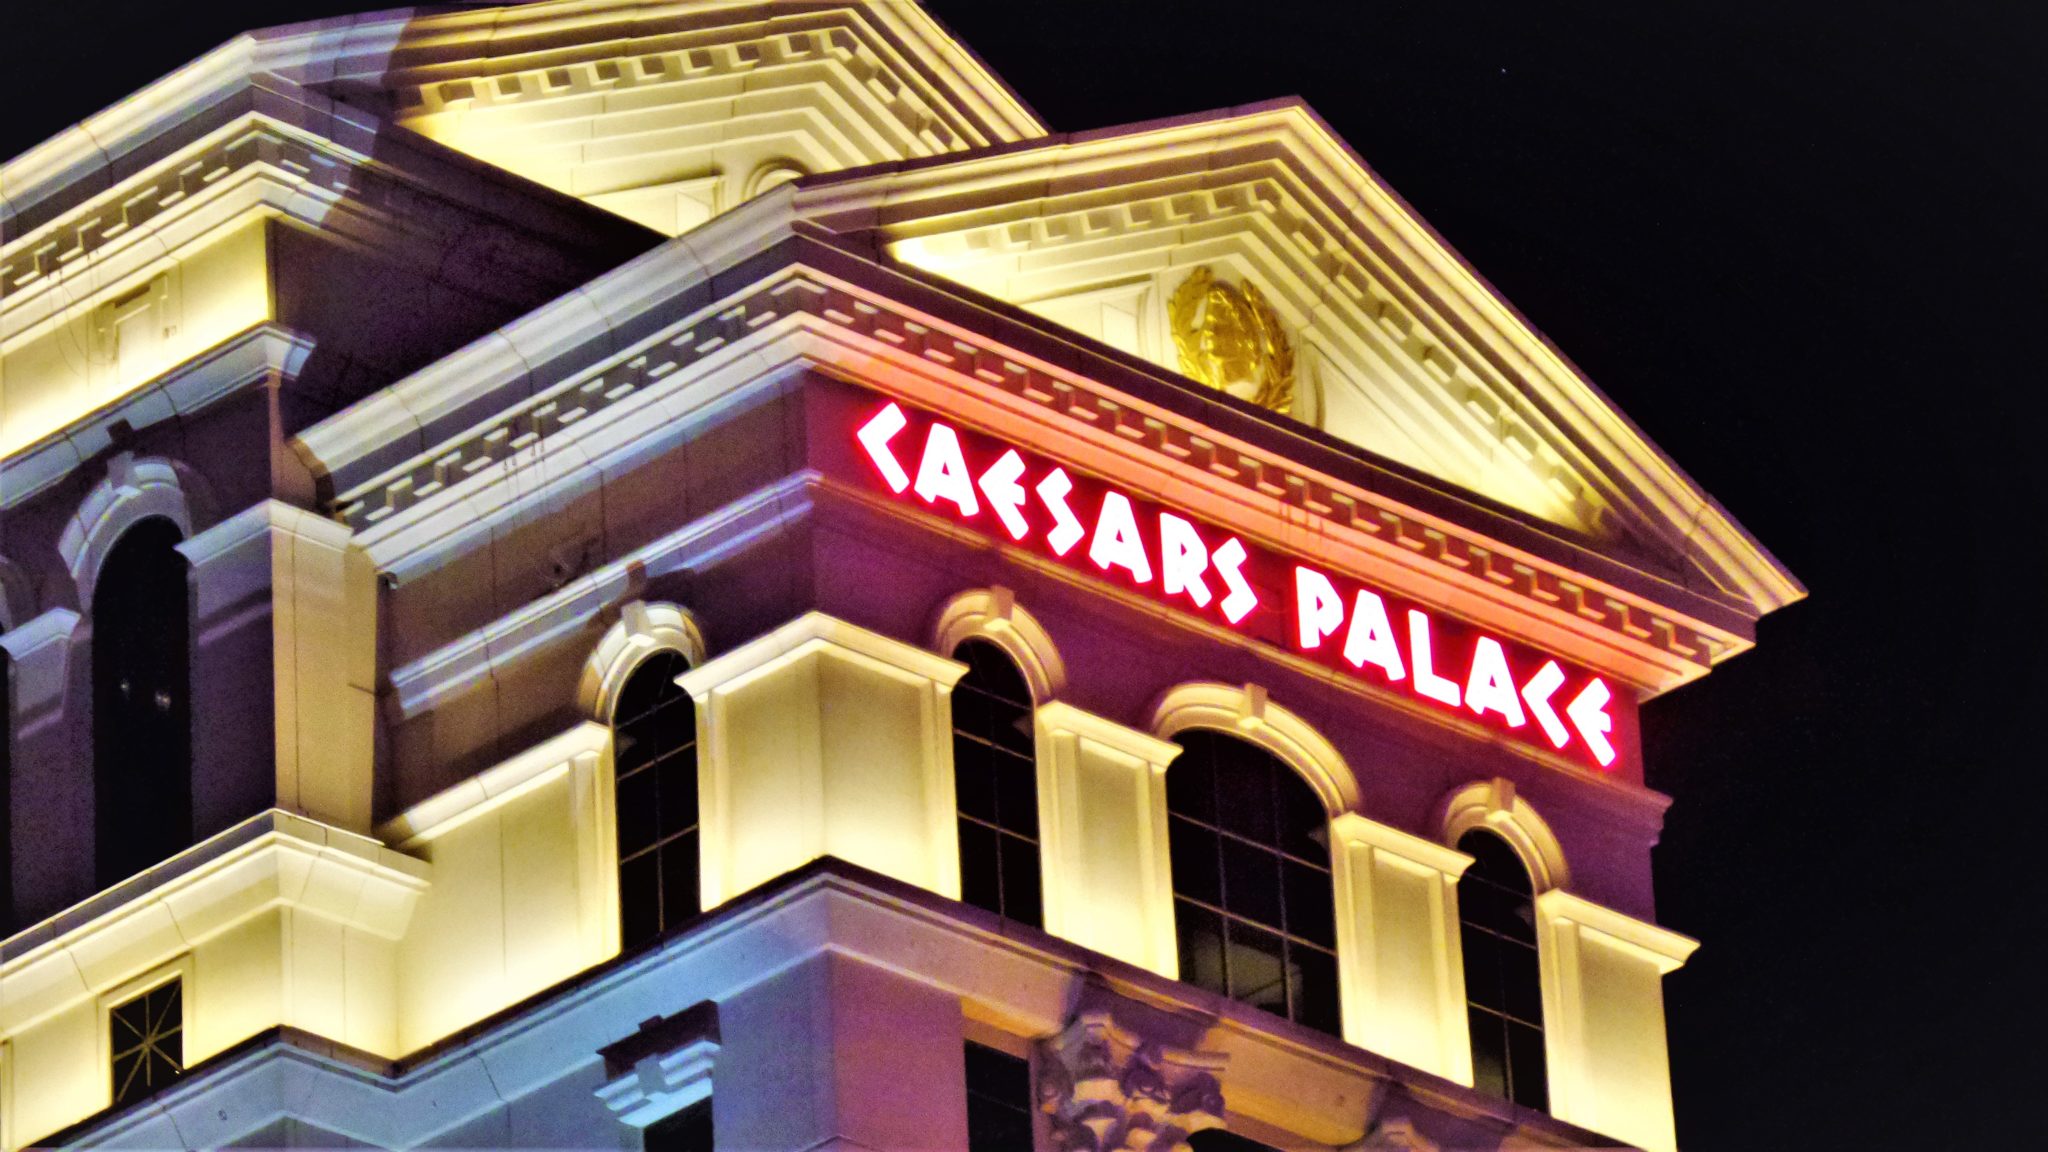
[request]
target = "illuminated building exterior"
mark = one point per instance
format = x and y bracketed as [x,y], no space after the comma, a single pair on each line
[593,573]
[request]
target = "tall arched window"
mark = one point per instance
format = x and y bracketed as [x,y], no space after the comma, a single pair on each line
[654,754]
[141,703]
[1252,903]
[1503,985]
[995,773]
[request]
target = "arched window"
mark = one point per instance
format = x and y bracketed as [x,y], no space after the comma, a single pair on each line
[995,773]
[141,703]
[1503,985]
[654,755]
[1252,903]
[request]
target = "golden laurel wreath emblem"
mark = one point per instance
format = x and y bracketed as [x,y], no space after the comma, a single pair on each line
[1230,338]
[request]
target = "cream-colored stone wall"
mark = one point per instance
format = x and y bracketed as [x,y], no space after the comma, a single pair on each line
[157,315]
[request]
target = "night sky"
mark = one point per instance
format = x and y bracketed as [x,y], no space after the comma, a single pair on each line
[1798,243]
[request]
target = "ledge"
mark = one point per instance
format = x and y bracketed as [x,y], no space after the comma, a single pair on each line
[269,860]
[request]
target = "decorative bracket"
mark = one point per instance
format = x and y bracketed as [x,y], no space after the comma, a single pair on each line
[662,1068]
[1109,1090]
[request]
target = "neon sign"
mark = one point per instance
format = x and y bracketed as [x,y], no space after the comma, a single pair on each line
[1378,637]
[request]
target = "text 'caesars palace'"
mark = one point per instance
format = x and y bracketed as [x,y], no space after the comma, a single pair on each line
[689,576]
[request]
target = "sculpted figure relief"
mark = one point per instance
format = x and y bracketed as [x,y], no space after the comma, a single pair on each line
[1230,338]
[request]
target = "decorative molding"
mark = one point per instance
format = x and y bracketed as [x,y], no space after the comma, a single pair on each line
[1247,714]
[1110,1090]
[1495,806]
[495,787]
[222,371]
[1654,944]
[642,630]
[993,614]
[270,859]
[40,650]
[1394,1136]
[1452,402]
[134,491]
[906,64]
[663,1068]
[431,479]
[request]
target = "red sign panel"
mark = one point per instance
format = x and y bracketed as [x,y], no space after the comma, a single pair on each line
[1284,600]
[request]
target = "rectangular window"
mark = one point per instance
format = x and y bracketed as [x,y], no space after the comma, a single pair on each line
[998,1101]
[147,1038]
[685,1130]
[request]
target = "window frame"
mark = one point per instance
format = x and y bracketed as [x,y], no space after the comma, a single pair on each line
[681,662]
[179,969]
[1474,925]
[1020,763]
[1187,826]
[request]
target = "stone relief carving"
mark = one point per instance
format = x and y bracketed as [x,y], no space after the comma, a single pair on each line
[1109,1090]
[1229,338]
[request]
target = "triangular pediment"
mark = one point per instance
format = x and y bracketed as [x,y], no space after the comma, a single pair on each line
[1396,344]
[669,114]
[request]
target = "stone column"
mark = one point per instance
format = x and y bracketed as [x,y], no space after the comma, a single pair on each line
[1103,853]
[1603,1018]
[280,589]
[48,806]
[822,738]
[1399,966]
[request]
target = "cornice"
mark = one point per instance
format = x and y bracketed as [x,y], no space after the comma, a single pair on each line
[255,355]
[1404,275]
[912,66]
[1299,504]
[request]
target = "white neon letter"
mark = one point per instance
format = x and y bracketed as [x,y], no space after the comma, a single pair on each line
[1182,559]
[1427,681]
[1116,542]
[1066,527]
[942,474]
[1004,494]
[1490,687]
[1588,712]
[1547,680]
[875,436]
[1371,639]
[1229,562]
[1318,610]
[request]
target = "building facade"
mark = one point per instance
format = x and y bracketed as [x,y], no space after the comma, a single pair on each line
[598,574]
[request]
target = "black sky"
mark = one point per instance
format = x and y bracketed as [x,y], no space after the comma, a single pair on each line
[1799,244]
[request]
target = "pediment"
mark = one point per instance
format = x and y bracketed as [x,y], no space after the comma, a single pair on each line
[671,114]
[1397,346]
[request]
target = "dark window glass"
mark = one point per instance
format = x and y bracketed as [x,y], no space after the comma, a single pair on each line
[998,1101]
[147,1037]
[995,773]
[1251,879]
[654,753]
[1503,986]
[685,1130]
[141,702]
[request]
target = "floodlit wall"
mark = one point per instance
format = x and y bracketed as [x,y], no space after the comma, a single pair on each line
[825,739]
[1603,1012]
[525,889]
[160,313]
[277,921]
